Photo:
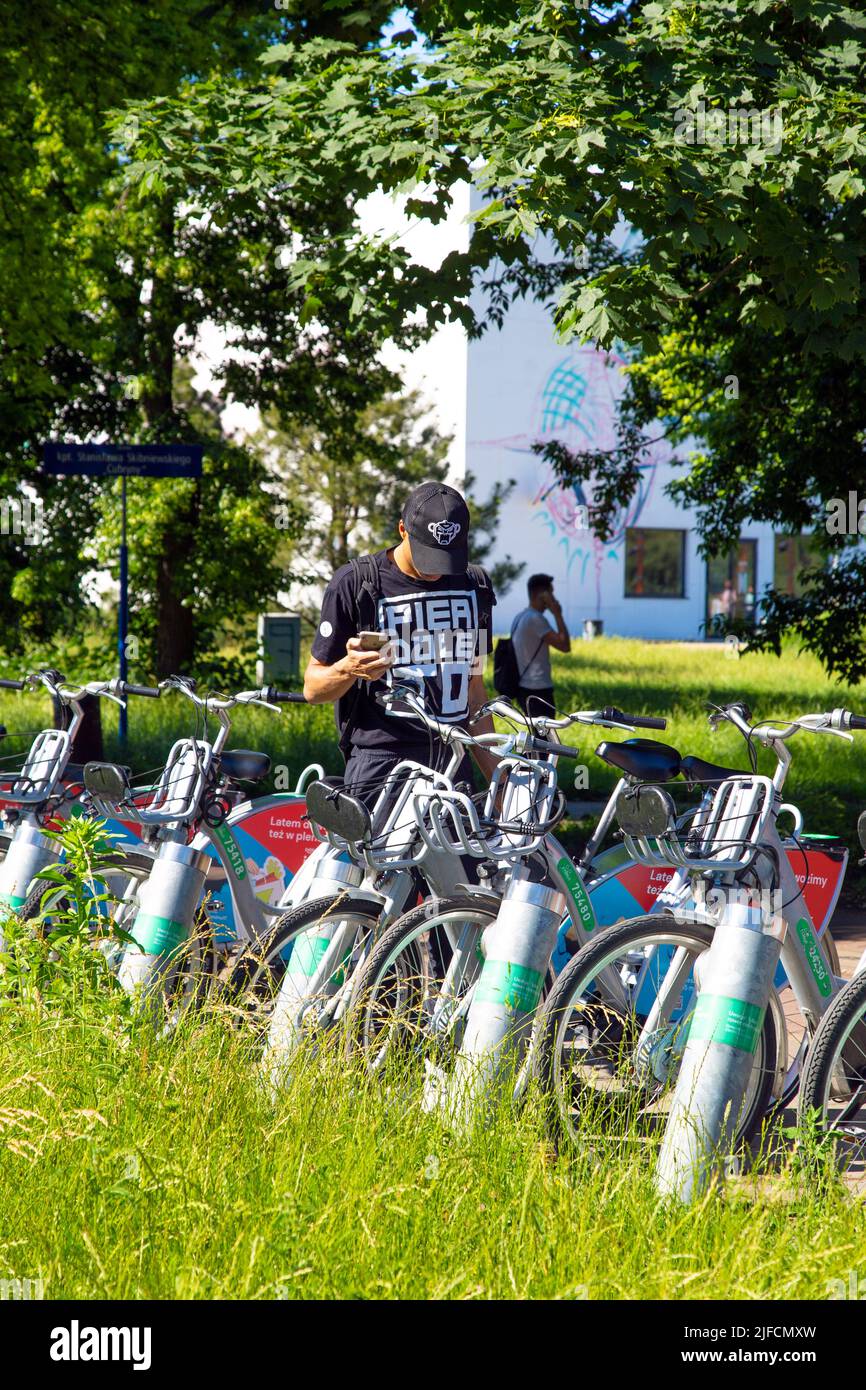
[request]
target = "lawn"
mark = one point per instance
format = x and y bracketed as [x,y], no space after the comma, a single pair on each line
[139,1167]
[135,1165]
[827,778]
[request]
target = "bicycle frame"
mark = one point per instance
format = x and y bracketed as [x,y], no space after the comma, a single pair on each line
[39,783]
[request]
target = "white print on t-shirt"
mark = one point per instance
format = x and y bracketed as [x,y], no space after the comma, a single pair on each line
[326,628]
[435,635]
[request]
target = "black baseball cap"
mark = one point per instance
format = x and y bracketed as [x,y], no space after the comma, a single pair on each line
[436,518]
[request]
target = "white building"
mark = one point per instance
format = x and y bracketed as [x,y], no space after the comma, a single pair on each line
[648,580]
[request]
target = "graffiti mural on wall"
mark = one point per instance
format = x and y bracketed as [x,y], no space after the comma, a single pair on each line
[576,403]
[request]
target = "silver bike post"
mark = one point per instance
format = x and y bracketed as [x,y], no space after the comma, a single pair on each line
[309,950]
[736,976]
[30,849]
[168,900]
[517,947]
[29,852]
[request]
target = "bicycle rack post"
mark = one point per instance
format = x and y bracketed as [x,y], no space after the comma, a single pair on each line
[736,976]
[518,947]
[29,852]
[166,913]
[304,967]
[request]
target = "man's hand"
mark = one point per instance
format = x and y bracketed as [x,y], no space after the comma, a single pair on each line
[554,605]
[324,684]
[363,665]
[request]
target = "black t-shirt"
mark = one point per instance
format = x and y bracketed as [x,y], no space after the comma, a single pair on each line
[439,632]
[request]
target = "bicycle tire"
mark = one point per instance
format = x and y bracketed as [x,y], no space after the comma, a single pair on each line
[259,968]
[847,1011]
[400,936]
[578,974]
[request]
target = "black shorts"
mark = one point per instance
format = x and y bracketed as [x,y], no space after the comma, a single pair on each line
[368,768]
[536,701]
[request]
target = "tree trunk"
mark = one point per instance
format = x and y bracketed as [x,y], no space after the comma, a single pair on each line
[87,745]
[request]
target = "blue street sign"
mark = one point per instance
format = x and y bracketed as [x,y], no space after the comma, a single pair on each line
[125,460]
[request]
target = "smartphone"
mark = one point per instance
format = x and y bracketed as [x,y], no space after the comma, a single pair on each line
[373,641]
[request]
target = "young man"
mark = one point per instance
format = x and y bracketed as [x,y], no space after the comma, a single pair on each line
[436,611]
[532,637]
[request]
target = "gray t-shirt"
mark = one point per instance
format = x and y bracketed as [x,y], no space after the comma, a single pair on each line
[531,652]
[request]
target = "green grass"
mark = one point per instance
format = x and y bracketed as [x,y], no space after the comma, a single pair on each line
[137,1167]
[827,778]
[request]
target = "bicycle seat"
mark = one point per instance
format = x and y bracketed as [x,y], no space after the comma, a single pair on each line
[642,758]
[338,812]
[698,770]
[243,765]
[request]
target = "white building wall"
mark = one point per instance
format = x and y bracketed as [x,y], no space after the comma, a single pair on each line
[524,386]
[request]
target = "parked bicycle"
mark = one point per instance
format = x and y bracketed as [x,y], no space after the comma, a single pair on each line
[190,820]
[833,1091]
[618,1063]
[45,790]
[338,944]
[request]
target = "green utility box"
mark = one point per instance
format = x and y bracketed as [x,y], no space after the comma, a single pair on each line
[279,648]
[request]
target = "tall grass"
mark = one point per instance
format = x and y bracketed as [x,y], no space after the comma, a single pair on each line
[827,778]
[137,1166]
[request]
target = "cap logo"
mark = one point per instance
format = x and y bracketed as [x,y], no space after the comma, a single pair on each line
[444,531]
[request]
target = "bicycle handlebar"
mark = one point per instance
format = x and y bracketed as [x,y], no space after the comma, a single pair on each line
[126,688]
[12,685]
[284,697]
[637,721]
[559,750]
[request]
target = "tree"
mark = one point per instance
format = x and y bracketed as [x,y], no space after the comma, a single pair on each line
[216,543]
[729,137]
[573,121]
[353,484]
[102,296]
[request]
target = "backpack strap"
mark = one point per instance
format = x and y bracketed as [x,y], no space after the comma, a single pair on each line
[365,577]
[480,579]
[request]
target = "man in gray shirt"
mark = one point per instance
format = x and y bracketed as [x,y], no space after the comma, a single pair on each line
[532,637]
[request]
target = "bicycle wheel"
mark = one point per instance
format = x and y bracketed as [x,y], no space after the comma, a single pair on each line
[413,992]
[129,864]
[255,983]
[192,968]
[613,1031]
[833,1088]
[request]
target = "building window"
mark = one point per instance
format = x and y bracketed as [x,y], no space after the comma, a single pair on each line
[655,562]
[731,585]
[792,554]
